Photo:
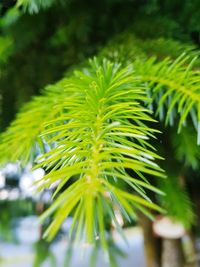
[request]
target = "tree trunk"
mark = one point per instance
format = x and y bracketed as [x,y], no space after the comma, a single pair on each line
[172,253]
[151,243]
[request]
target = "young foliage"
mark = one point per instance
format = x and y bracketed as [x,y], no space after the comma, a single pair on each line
[95,144]
[96,125]
[96,121]
[21,140]
[174,87]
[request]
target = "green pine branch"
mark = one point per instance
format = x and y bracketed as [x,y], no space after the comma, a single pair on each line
[96,122]
[174,87]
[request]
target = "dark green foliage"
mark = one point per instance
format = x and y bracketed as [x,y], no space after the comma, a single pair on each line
[43,253]
[10,210]
[177,201]
[186,149]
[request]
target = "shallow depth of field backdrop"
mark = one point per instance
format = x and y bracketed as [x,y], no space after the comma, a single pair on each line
[100,133]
